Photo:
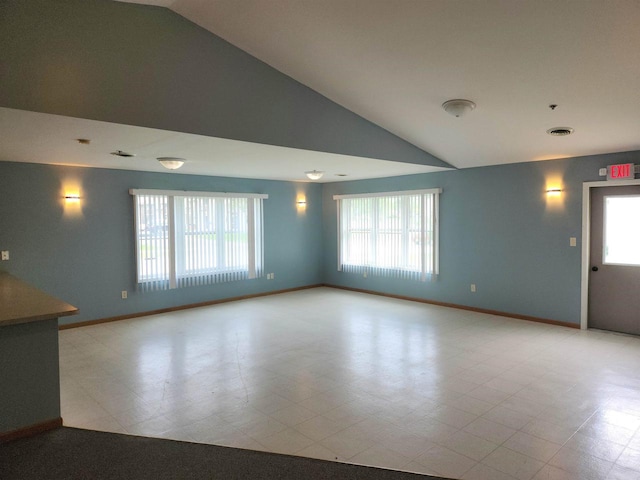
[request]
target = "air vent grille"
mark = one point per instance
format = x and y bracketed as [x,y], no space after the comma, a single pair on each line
[120,153]
[560,131]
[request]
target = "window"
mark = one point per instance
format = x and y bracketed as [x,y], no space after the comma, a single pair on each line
[621,230]
[393,233]
[196,238]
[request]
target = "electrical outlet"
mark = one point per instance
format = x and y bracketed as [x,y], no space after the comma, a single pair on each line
[5,254]
[124,294]
[364,274]
[473,287]
[270,276]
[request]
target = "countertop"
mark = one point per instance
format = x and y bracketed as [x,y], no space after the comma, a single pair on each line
[22,303]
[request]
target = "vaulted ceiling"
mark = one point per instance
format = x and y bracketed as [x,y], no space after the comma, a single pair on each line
[392,62]
[395,62]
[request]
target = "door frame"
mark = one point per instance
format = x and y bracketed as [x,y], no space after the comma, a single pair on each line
[586,241]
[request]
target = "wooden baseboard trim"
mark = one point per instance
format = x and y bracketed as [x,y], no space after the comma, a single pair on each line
[183,307]
[31,430]
[460,307]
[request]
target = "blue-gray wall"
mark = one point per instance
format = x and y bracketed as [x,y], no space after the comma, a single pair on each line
[87,259]
[498,230]
[142,65]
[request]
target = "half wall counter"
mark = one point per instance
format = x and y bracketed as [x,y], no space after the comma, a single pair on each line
[29,361]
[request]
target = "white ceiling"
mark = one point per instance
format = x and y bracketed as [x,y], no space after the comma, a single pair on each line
[395,62]
[44,138]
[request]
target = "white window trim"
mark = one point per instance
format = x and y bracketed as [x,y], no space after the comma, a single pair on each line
[436,215]
[186,193]
[389,194]
[171,194]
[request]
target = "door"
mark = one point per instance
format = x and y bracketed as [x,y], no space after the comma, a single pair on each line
[614,277]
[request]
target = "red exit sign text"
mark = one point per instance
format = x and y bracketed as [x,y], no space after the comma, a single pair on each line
[624,171]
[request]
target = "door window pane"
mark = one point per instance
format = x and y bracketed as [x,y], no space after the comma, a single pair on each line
[622,230]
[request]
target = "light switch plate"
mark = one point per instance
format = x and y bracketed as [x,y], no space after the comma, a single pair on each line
[572,241]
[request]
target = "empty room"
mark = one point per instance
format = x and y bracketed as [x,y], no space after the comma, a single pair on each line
[351,233]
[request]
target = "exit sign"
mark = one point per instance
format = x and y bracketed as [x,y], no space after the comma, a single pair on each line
[623,171]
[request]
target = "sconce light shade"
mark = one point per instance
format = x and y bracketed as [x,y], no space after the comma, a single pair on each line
[554,191]
[301,203]
[314,174]
[72,197]
[171,163]
[458,106]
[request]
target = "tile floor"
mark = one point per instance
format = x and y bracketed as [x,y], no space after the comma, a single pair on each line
[365,379]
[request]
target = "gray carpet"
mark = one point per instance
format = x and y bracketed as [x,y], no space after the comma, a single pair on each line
[70,453]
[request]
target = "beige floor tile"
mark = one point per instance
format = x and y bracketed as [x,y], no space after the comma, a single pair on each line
[318,451]
[490,430]
[446,462]
[513,463]
[597,447]
[507,417]
[581,463]
[469,445]
[531,446]
[379,456]
[288,441]
[319,427]
[347,444]
[483,472]
[293,415]
[367,377]
[630,458]
[621,473]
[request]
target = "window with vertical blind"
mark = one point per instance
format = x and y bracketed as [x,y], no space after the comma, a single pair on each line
[392,233]
[196,238]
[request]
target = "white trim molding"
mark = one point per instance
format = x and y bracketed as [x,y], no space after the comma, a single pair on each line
[185,193]
[388,194]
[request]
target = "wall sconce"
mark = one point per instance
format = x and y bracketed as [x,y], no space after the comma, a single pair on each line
[554,191]
[72,198]
[301,203]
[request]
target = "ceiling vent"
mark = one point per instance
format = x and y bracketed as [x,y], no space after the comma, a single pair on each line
[120,153]
[560,131]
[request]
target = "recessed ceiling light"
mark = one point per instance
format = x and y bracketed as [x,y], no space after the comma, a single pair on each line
[340,174]
[560,131]
[120,153]
[83,141]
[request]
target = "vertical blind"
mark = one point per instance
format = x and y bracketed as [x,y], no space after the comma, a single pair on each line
[393,234]
[197,238]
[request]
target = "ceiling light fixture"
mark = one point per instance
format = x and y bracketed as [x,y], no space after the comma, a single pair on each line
[314,174]
[172,163]
[458,106]
[560,131]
